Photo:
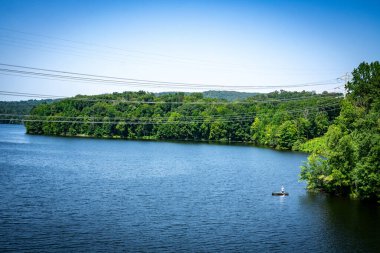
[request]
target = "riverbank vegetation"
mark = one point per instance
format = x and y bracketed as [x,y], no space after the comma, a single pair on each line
[281,119]
[346,160]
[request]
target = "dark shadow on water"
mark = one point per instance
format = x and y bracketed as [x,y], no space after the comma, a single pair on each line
[174,141]
[354,225]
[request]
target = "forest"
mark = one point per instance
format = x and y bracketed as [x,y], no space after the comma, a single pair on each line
[346,160]
[282,120]
[10,109]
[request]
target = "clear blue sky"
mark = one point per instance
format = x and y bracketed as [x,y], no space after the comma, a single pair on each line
[208,42]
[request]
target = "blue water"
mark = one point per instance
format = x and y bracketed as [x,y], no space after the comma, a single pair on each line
[91,195]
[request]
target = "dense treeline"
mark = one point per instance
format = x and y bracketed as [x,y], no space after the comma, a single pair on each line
[227,95]
[283,120]
[346,160]
[10,109]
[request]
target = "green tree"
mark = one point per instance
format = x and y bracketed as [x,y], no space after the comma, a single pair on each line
[349,164]
[287,135]
[364,88]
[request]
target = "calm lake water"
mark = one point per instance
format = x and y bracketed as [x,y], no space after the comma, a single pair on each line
[88,195]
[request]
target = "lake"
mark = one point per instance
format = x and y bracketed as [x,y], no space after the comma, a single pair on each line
[91,195]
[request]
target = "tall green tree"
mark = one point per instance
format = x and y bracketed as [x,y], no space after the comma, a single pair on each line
[349,163]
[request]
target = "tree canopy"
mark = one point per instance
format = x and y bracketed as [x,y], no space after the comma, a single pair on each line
[349,162]
[9,110]
[281,119]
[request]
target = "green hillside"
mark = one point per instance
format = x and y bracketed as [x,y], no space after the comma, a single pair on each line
[228,95]
[9,110]
[281,120]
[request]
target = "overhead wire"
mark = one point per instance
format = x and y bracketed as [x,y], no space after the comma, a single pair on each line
[140,85]
[96,48]
[87,54]
[156,120]
[117,51]
[33,95]
[122,81]
[104,46]
[120,57]
[94,98]
[149,122]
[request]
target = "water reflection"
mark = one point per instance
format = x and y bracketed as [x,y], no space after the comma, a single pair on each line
[351,223]
[12,134]
[91,195]
[282,199]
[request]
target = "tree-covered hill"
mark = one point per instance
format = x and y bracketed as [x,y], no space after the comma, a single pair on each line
[346,160]
[10,109]
[281,120]
[227,95]
[24,107]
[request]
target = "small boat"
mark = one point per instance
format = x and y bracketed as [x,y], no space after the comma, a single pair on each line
[280,194]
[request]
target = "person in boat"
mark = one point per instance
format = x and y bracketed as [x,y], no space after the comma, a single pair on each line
[282,189]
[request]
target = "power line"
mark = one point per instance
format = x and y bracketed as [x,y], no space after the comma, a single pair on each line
[156,120]
[123,100]
[146,122]
[89,53]
[103,46]
[122,81]
[116,51]
[34,95]
[124,58]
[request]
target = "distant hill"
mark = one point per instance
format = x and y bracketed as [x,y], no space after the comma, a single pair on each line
[227,95]
[14,108]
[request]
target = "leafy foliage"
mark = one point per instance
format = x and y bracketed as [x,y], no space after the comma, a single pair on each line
[227,95]
[17,108]
[278,119]
[349,162]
